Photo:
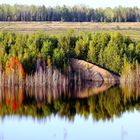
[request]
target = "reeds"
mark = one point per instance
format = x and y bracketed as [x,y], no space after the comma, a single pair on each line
[50,77]
[131,76]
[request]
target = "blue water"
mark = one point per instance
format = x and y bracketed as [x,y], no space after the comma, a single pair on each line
[55,128]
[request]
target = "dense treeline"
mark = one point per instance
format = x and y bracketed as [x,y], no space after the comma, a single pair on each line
[110,50]
[69,14]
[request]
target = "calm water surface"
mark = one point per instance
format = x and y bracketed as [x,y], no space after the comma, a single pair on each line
[85,113]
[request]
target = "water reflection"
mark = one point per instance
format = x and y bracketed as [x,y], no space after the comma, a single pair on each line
[101,101]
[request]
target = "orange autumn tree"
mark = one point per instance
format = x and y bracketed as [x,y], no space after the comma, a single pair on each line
[13,65]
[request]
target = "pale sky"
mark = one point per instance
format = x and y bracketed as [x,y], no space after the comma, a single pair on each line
[91,3]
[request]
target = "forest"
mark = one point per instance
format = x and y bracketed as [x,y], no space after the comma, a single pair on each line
[113,51]
[79,13]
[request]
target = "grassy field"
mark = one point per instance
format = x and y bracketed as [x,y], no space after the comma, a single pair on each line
[130,29]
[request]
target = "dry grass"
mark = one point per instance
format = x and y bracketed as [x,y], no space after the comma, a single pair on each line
[132,29]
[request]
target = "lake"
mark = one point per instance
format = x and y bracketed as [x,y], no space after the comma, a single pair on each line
[90,111]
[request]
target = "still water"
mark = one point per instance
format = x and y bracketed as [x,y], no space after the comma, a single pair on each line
[92,112]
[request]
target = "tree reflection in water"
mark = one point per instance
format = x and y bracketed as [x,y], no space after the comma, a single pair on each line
[102,101]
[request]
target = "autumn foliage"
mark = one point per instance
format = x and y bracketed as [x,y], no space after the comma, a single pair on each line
[14,66]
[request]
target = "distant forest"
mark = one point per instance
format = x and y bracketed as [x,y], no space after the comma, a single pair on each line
[68,14]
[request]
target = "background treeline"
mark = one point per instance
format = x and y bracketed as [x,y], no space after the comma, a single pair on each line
[110,50]
[69,14]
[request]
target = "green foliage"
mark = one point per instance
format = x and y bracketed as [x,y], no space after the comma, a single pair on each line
[59,57]
[126,67]
[47,49]
[138,51]
[111,59]
[82,45]
[105,49]
[92,53]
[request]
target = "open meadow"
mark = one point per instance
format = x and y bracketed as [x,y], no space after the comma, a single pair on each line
[131,29]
